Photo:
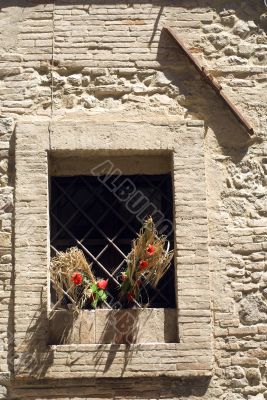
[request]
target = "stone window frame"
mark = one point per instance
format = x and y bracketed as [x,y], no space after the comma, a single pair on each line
[184,141]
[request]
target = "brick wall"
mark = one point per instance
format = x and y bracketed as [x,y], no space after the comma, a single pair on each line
[111,61]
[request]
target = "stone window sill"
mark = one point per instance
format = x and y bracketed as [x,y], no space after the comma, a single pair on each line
[135,360]
[147,325]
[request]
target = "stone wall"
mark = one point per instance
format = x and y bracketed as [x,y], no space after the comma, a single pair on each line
[110,60]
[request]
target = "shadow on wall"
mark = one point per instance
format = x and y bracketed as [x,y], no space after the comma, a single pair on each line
[197,97]
[120,327]
[35,355]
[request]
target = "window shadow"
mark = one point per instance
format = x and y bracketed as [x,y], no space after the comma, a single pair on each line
[35,356]
[61,326]
[119,334]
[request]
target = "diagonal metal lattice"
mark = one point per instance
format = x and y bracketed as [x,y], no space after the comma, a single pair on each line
[87,212]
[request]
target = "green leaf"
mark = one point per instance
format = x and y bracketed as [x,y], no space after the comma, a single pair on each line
[94,288]
[94,303]
[102,295]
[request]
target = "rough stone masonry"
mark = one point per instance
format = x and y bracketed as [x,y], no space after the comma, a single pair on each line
[107,61]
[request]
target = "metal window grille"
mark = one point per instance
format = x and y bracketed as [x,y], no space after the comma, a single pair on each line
[94,214]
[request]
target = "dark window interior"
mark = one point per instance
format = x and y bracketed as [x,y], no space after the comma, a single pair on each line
[91,212]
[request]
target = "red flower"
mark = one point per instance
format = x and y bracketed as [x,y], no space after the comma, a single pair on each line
[150,249]
[102,284]
[130,296]
[143,264]
[77,278]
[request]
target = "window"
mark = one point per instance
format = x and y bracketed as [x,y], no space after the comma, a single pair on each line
[68,148]
[102,215]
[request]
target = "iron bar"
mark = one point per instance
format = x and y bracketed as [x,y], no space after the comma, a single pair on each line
[93,223]
[91,189]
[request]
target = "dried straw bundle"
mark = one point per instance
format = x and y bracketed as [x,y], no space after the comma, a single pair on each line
[62,268]
[148,260]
